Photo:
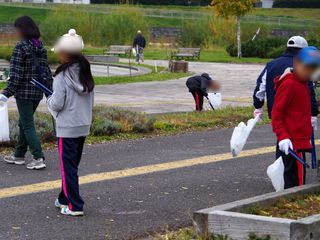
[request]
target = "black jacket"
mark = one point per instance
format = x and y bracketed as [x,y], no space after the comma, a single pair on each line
[265,82]
[140,41]
[199,84]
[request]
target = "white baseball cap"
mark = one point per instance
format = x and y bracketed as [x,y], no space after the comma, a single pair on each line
[70,42]
[297,42]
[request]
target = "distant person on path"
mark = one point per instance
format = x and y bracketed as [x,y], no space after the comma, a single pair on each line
[275,68]
[291,113]
[29,60]
[71,105]
[139,43]
[198,86]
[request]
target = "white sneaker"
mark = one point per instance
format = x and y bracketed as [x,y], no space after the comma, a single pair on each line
[59,205]
[66,211]
[14,160]
[36,164]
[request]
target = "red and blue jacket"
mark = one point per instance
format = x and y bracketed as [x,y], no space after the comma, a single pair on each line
[265,83]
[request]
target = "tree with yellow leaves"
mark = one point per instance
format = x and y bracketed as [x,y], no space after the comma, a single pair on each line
[234,8]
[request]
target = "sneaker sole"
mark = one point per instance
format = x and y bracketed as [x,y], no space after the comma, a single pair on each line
[14,162]
[37,167]
[74,214]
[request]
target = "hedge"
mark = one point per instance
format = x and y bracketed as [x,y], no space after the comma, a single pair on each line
[261,48]
[296,4]
[158,2]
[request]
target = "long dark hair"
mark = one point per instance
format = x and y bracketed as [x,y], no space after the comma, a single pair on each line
[85,77]
[27,27]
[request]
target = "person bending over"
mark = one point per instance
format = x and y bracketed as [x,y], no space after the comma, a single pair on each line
[199,85]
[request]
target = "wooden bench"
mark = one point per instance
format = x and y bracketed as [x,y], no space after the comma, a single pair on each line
[119,50]
[186,53]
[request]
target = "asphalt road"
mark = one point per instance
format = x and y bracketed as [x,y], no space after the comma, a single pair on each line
[132,206]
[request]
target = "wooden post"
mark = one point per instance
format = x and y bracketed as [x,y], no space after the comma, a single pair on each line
[239,36]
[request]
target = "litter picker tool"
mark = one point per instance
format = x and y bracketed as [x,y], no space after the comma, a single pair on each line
[47,92]
[314,163]
[210,103]
[298,158]
[42,87]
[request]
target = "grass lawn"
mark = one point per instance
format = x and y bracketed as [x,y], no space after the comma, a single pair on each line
[8,14]
[153,76]
[217,54]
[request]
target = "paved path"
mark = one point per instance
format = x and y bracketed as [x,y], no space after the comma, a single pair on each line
[135,187]
[237,80]
[101,70]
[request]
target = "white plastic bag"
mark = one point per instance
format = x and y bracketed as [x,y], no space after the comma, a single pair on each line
[134,52]
[215,99]
[275,173]
[4,122]
[240,135]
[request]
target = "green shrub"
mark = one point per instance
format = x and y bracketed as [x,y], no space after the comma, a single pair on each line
[113,120]
[6,52]
[196,34]
[106,122]
[144,126]
[257,48]
[276,52]
[116,27]
[314,42]
[104,127]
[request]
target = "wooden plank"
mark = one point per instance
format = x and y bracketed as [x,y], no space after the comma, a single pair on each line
[264,199]
[240,226]
[228,219]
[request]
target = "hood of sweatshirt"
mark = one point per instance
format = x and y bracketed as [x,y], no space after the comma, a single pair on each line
[280,79]
[72,79]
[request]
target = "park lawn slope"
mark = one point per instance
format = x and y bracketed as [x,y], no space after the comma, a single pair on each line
[149,77]
[217,54]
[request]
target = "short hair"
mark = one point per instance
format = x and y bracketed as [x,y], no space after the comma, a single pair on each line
[27,27]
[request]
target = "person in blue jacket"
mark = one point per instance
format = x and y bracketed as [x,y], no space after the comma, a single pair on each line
[265,85]
[275,68]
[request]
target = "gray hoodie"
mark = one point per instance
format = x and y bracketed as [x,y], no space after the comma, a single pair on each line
[71,107]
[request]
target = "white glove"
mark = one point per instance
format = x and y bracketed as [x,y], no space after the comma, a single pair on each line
[3,98]
[285,145]
[314,123]
[258,112]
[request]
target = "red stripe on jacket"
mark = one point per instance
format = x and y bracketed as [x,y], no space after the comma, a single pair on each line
[291,113]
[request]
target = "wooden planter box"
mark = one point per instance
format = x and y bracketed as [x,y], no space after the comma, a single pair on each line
[227,220]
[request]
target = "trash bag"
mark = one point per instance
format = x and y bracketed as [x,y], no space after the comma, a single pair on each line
[215,99]
[275,173]
[4,122]
[240,135]
[134,52]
